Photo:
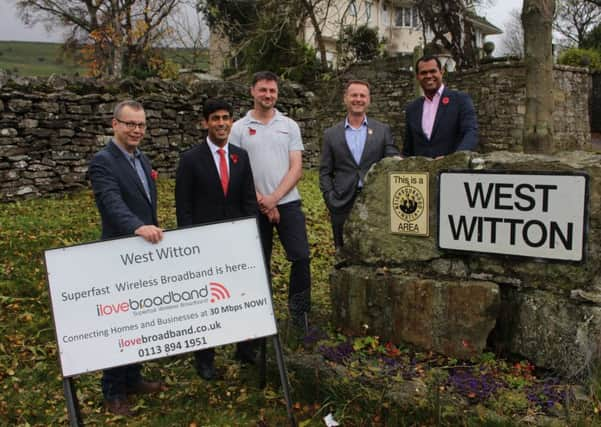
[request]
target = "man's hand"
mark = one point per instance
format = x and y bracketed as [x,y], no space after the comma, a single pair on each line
[150,233]
[267,203]
[273,216]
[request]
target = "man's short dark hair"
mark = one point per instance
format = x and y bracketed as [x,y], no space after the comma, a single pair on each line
[427,58]
[134,105]
[356,82]
[264,75]
[212,105]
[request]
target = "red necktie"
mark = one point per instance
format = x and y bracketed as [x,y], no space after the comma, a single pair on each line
[223,171]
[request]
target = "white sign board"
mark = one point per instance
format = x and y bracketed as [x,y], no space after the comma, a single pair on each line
[523,214]
[121,301]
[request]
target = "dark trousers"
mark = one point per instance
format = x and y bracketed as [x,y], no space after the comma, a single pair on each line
[117,381]
[338,218]
[207,356]
[292,232]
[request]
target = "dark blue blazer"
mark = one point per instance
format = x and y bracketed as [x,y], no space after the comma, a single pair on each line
[119,193]
[199,196]
[455,127]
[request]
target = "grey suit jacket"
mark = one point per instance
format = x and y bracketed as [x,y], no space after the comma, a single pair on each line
[339,173]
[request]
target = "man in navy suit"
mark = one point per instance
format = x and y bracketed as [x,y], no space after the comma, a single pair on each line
[126,197]
[349,149]
[441,122]
[214,182]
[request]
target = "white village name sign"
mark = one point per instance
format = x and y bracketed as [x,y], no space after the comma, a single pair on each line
[522,214]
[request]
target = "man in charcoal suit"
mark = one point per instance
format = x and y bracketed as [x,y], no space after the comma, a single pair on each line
[349,149]
[126,197]
[441,122]
[214,182]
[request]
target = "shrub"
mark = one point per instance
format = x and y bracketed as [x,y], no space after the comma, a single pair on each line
[358,44]
[581,58]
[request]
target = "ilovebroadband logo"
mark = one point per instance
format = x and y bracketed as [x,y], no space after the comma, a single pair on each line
[172,297]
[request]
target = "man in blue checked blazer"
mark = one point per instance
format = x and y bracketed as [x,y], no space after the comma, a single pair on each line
[126,197]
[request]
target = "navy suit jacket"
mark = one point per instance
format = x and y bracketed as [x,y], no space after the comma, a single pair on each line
[455,127]
[199,196]
[339,173]
[119,193]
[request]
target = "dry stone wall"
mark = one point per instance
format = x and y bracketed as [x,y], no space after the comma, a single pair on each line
[50,128]
[498,91]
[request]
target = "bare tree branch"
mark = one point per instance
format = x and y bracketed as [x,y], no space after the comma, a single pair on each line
[575,19]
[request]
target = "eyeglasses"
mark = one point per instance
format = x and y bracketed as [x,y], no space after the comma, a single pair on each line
[132,125]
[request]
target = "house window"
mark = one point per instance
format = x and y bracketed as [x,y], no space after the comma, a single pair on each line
[352,8]
[368,11]
[385,19]
[406,17]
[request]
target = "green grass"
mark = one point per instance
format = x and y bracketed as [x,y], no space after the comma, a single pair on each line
[30,382]
[36,59]
[185,58]
[31,385]
[43,59]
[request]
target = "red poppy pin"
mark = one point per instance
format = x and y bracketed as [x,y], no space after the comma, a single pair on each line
[234,158]
[445,100]
[252,131]
[154,174]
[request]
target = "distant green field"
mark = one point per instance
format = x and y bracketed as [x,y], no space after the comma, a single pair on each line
[44,59]
[185,58]
[36,59]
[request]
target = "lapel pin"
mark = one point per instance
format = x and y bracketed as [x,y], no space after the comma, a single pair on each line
[370,131]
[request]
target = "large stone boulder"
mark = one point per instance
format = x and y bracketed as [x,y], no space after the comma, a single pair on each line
[407,289]
[451,317]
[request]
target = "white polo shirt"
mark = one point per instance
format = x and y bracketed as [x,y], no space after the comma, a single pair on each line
[268,146]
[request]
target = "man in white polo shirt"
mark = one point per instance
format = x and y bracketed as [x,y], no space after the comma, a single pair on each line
[274,145]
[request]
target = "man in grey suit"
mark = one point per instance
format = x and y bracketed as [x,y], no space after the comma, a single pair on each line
[349,149]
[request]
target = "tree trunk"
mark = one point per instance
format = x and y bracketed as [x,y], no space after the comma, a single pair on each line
[537,21]
[321,47]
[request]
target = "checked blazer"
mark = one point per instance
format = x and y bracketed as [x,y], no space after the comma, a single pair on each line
[119,193]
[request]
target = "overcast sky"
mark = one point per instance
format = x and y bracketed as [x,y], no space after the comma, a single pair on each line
[11,28]
[499,15]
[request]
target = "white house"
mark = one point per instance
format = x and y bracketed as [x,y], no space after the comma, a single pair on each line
[397,22]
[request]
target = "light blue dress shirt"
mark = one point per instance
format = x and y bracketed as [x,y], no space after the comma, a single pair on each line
[355,139]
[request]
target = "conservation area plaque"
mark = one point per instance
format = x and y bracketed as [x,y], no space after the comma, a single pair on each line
[409,202]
